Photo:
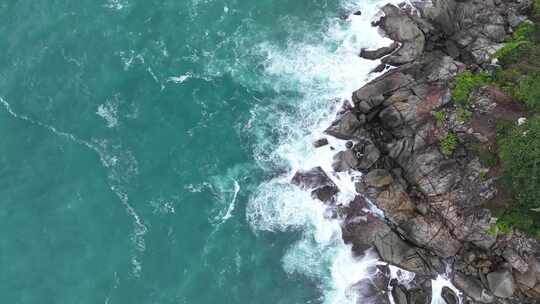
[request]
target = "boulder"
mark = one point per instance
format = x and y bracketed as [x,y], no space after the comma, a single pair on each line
[400,27]
[473,288]
[501,283]
[320,142]
[431,233]
[372,94]
[374,289]
[345,161]
[345,126]
[315,179]
[378,178]
[394,250]
[449,296]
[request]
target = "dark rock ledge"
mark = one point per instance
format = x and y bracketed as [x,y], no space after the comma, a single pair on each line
[436,205]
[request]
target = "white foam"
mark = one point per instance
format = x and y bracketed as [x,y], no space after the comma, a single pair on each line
[318,72]
[109,112]
[179,79]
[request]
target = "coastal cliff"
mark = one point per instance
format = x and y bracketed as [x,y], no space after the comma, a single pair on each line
[422,158]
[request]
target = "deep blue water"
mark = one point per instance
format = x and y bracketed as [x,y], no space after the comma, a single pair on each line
[145,148]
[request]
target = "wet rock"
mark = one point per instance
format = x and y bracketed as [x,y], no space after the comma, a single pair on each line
[372,94]
[394,250]
[373,289]
[320,142]
[501,283]
[345,161]
[367,153]
[449,296]
[357,13]
[360,229]
[473,288]
[400,27]
[346,125]
[323,188]
[378,53]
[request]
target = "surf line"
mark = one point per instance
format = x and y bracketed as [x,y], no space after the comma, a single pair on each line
[140,227]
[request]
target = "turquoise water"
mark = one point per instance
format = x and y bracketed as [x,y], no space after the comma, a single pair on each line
[146,145]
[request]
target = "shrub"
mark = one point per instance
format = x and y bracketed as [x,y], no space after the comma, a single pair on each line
[440,116]
[463,115]
[528,91]
[520,155]
[449,144]
[465,83]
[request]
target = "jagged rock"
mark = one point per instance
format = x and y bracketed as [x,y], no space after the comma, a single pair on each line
[449,296]
[396,251]
[320,142]
[515,260]
[528,279]
[375,288]
[431,233]
[372,94]
[345,126]
[378,53]
[501,283]
[367,153]
[400,27]
[323,188]
[345,161]
[473,288]
[399,295]
[495,31]
[360,231]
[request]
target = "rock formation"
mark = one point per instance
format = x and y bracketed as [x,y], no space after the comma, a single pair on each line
[435,204]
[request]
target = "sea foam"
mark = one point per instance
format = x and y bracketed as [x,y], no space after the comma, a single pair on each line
[319,73]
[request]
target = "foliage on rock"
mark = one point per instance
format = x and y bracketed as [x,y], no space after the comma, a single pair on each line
[520,154]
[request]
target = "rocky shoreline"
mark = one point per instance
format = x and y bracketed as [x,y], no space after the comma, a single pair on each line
[436,200]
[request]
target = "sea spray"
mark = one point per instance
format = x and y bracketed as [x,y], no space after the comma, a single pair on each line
[319,73]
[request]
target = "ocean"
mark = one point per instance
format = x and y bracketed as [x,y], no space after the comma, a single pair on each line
[147,148]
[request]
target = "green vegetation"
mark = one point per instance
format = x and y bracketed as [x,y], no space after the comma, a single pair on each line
[536,9]
[440,116]
[463,115]
[449,144]
[466,82]
[520,60]
[487,157]
[520,154]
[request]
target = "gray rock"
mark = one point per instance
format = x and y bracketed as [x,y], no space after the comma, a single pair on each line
[449,296]
[320,142]
[501,283]
[378,53]
[495,32]
[378,178]
[323,188]
[473,288]
[396,251]
[345,126]
[400,27]
[371,95]
[345,161]
[373,289]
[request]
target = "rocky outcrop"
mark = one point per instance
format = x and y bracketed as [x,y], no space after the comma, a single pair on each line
[316,180]
[435,199]
[424,173]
